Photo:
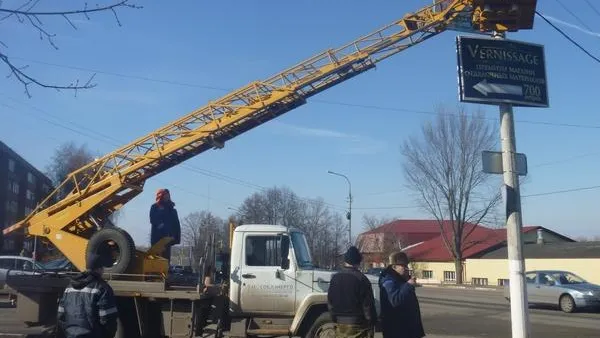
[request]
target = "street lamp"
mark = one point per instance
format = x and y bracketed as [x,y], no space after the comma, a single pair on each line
[349,214]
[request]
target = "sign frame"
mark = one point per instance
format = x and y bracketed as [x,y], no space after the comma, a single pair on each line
[491,163]
[500,85]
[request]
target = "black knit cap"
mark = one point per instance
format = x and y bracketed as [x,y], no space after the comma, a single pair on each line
[352,256]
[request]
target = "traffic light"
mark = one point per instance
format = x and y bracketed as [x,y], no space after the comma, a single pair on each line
[503,15]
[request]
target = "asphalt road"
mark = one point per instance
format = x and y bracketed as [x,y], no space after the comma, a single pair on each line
[484,313]
[467,313]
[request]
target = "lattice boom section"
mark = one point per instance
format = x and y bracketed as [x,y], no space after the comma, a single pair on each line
[252,105]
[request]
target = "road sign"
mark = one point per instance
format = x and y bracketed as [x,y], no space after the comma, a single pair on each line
[492,163]
[495,71]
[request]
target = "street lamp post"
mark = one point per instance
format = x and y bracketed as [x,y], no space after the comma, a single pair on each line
[349,215]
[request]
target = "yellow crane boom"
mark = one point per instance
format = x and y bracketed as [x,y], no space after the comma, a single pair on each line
[76,221]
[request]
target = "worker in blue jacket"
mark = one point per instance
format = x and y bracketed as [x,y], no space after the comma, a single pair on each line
[400,312]
[165,221]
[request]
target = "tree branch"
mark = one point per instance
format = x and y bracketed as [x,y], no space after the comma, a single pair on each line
[18,11]
[26,14]
[27,80]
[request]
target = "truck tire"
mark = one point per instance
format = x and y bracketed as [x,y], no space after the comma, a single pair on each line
[115,242]
[322,327]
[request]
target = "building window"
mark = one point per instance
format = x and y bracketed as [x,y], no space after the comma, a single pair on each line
[11,206]
[427,274]
[13,186]
[30,178]
[30,195]
[479,281]
[502,282]
[11,165]
[449,276]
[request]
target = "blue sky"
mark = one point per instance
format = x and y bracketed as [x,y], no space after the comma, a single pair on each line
[215,45]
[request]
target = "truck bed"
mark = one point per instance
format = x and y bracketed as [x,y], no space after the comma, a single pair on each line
[121,288]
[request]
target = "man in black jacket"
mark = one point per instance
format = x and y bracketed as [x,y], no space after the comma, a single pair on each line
[351,301]
[87,308]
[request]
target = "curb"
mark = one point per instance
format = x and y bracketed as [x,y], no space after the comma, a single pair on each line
[461,287]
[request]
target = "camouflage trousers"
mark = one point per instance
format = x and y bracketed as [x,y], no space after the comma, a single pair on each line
[353,331]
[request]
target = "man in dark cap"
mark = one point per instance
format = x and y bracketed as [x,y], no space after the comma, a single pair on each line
[400,312]
[87,307]
[350,299]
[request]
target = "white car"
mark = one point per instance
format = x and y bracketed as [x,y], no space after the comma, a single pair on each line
[17,265]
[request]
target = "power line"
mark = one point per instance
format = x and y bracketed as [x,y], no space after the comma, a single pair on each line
[127,76]
[114,142]
[258,187]
[592,7]
[556,192]
[344,104]
[568,37]
[372,107]
[568,159]
[573,15]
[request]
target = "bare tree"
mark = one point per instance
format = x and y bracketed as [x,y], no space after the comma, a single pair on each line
[67,158]
[198,227]
[324,228]
[443,167]
[27,14]
[273,206]
[371,222]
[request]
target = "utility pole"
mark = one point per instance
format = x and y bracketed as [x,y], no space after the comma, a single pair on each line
[349,214]
[518,294]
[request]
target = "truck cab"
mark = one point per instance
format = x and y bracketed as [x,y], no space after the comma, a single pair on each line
[274,283]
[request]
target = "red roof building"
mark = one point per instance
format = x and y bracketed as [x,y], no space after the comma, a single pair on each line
[477,241]
[422,240]
[378,243]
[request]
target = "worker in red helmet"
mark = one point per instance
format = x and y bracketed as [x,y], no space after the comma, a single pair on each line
[164,221]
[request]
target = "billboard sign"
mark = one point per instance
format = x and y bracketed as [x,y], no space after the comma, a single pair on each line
[496,71]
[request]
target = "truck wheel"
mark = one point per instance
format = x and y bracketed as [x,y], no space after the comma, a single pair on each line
[322,327]
[117,244]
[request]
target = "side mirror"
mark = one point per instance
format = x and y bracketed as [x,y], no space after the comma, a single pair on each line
[285,250]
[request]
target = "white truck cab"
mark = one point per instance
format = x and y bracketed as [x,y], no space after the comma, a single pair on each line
[273,281]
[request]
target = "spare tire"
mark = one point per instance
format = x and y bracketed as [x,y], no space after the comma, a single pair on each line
[117,245]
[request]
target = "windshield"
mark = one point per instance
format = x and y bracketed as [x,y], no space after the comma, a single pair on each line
[566,278]
[301,250]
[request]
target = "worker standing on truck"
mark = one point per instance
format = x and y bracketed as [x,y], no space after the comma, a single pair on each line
[351,301]
[164,221]
[88,307]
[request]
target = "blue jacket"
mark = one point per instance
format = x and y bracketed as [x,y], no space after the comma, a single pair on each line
[400,311]
[165,223]
[87,308]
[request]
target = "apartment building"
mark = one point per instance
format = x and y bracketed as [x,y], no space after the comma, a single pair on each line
[22,187]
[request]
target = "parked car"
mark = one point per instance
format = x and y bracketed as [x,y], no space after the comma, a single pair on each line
[19,263]
[375,271]
[562,288]
[27,265]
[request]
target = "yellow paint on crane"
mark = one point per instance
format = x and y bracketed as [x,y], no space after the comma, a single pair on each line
[106,184]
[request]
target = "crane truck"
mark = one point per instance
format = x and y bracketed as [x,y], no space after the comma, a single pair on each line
[284,294]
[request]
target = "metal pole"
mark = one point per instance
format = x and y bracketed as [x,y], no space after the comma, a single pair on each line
[349,215]
[519,310]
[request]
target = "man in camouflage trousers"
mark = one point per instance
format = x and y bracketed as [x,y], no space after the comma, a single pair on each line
[351,301]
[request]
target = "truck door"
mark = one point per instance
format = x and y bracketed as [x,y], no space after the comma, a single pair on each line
[266,287]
